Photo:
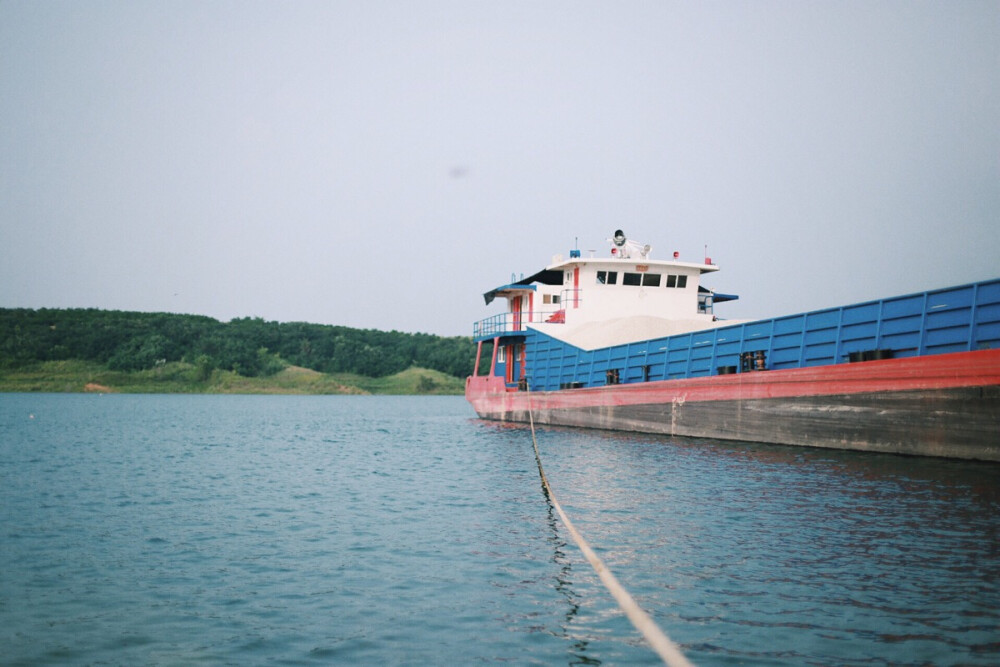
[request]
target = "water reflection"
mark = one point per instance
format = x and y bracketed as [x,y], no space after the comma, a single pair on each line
[564,586]
[782,554]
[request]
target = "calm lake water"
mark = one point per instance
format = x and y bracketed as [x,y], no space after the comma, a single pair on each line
[402,530]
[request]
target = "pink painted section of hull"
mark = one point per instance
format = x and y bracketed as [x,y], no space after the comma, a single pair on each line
[911,405]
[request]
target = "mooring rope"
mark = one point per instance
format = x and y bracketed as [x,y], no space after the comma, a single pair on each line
[658,640]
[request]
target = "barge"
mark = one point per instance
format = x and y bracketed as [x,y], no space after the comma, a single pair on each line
[631,343]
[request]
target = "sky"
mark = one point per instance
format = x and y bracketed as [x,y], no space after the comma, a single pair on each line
[383,164]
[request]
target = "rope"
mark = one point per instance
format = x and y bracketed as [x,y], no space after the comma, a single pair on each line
[658,641]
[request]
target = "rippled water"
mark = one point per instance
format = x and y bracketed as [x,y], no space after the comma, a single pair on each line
[236,529]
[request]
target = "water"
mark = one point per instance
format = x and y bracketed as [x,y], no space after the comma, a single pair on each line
[401,530]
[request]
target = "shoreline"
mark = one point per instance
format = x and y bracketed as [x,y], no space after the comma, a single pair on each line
[74,376]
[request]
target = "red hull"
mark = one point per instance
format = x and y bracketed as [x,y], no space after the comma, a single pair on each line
[939,405]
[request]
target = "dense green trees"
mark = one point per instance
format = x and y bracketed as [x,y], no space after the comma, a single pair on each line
[249,346]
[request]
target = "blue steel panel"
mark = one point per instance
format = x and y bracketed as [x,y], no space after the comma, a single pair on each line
[595,374]
[677,354]
[814,337]
[703,338]
[729,347]
[903,306]
[988,312]
[730,330]
[821,352]
[540,373]
[727,360]
[784,359]
[756,330]
[988,292]
[947,318]
[822,319]
[792,324]
[657,363]
[950,298]
[677,369]
[907,324]
[907,340]
[729,334]
[860,331]
[862,312]
[987,336]
[701,369]
[952,335]
[702,352]
[788,340]
[657,358]
[631,374]
[660,343]
[567,364]
[944,349]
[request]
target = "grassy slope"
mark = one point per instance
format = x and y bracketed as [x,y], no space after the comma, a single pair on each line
[172,378]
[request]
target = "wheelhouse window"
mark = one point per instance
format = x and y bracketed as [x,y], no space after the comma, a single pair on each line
[607,277]
[677,281]
[651,279]
[632,279]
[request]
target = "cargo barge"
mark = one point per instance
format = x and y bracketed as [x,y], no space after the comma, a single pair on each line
[627,342]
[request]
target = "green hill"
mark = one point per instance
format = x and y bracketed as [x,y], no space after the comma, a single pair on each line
[96,350]
[180,377]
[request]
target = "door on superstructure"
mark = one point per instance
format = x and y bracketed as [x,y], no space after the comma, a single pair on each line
[522,371]
[514,371]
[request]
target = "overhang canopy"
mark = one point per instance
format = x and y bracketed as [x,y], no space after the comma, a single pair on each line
[545,276]
[718,297]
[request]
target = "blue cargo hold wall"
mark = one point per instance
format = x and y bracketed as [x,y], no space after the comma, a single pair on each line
[955,319]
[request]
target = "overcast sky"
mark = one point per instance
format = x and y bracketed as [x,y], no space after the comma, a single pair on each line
[382,164]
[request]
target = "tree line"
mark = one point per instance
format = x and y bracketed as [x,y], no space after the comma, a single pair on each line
[252,347]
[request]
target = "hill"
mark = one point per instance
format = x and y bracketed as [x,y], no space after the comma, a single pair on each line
[71,349]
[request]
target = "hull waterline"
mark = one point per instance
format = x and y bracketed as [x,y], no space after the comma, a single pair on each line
[944,405]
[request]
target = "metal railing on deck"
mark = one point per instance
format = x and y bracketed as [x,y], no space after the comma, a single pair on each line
[509,323]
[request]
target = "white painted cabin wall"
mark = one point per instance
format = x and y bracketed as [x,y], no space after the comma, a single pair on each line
[603,302]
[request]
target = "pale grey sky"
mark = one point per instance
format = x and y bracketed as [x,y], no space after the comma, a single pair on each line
[382,164]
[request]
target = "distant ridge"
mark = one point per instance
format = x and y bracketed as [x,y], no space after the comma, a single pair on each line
[298,357]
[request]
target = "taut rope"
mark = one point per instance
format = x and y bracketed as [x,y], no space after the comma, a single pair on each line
[666,649]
